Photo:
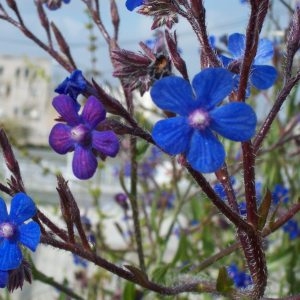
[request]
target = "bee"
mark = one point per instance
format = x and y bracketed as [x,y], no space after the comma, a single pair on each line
[161,67]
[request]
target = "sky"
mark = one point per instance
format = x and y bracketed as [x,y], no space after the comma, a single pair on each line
[223,17]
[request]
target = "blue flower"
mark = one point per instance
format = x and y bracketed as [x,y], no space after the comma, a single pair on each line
[219,189]
[80,135]
[262,76]
[166,200]
[73,86]
[292,229]
[55,4]
[132,4]
[199,116]
[79,261]
[240,278]
[212,41]
[3,279]
[280,194]
[13,230]
[242,208]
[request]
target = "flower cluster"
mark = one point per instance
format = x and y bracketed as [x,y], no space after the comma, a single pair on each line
[14,232]
[199,115]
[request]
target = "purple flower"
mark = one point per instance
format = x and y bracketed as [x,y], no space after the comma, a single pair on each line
[240,278]
[199,116]
[132,4]
[13,230]
[73,86]
[3,279]
[121,199]
[292,229]
[261,76]
[79,134]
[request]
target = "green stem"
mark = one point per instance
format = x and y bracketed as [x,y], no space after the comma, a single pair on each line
[134,204]
[38,275]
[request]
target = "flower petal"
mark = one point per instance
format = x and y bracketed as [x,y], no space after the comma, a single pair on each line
[22,208]
[235,121]
[212,85]
[263,77]
[265,52]
[73,86]
[206,153]
[172,135]
[60,139]
[132,4]
[3,211]
[93,112]
[105,142]
[237,44]
[84,163]
[173,94]
[225,60]
[3,278]
[30,234]
[67,108]
[10,255]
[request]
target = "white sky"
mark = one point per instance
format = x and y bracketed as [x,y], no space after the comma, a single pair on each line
[223,17]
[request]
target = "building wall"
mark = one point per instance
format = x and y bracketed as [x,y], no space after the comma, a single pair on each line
[25,98]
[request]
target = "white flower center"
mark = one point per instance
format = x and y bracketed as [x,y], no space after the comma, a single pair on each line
[7,230]
[199,119]
[80,134]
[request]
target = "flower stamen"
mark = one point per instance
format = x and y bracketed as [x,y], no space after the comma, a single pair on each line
[7,230]
[199,119]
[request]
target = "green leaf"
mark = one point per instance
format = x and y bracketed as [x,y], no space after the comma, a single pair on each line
[264,209]
[196,208]
[182,250]
[159,273]
[208,241]
[129,291]
[224,282]
[141,147]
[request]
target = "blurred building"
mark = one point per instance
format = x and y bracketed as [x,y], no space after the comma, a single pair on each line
[25,98]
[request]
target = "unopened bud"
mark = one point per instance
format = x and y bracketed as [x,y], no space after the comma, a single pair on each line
[177,60]
[293,40]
